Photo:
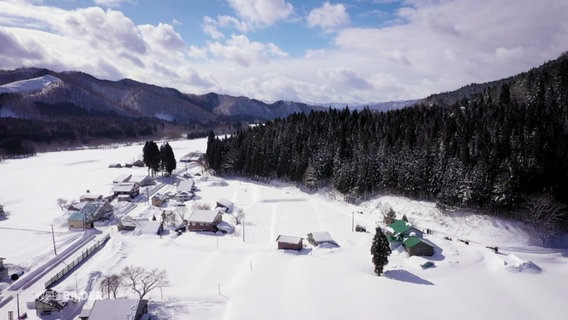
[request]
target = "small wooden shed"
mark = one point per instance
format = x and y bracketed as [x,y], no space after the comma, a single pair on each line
[289,242]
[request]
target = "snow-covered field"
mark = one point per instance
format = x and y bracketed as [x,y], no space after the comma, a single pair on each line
[244,276]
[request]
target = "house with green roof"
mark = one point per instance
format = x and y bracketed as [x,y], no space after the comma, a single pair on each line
[404,233]
[91,212]
[417,247]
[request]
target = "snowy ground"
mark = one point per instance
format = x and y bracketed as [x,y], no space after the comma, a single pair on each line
[236,276]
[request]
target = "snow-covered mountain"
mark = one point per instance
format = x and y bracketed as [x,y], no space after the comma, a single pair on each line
[30,85]
[26,90]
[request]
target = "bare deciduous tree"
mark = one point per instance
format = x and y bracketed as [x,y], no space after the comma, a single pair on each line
[389,216]
[545,216]
[239,216]
[111,283]
[202,206]
[143,281]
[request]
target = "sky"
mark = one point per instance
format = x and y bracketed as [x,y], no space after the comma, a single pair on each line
[353,52]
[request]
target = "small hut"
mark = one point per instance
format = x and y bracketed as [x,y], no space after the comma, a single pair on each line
[289,242]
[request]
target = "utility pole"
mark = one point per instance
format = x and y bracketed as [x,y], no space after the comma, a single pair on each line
[18,304]
[243,229]
[352,221]
[53,237]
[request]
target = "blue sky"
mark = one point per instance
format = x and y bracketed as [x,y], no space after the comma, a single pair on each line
[357,51]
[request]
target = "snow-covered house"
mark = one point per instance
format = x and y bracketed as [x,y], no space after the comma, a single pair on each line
[91,212]
[225,205]
[321,238]
[49,302]
[159,199]
[183,196]
[128,188]
[125,177]
[203,220]
[143,180]
[186,185]
[289,242]
[89,197]
[123,309]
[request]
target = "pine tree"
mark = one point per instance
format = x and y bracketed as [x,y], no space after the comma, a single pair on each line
[167,158]
[151,156]
[380,250]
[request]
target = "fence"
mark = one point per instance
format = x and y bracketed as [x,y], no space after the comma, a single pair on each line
[86,254]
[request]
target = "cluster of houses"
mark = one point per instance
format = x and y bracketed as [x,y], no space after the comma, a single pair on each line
[94,207]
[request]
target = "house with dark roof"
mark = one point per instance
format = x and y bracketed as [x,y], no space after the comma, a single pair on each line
[91,212]
[123,309]
[289,242]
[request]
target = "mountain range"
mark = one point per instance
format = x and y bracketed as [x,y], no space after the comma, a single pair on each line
[33,93]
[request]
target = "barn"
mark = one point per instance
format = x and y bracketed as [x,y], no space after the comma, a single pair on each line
[289,242]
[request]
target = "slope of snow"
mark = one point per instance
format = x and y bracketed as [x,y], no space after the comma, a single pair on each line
[29,85]
[243,276]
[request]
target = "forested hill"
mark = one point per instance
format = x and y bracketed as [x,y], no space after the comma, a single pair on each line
[480,152]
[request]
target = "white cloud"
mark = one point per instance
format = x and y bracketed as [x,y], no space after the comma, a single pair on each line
[111,3]
[240,50]
[162,36]
[329,17]
[434,46]
[261,12]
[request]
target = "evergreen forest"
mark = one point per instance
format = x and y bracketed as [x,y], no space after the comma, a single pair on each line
[494,149]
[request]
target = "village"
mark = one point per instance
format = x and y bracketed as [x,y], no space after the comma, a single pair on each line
[165,206]
[227,235]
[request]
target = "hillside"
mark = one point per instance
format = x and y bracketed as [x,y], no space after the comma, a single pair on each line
[548,82]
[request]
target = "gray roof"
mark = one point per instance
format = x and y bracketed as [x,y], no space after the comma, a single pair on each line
[185,185]
[115,309]
[204,216]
